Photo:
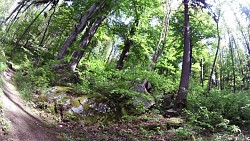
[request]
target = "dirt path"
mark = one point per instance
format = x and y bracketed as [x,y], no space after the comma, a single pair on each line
[24,125]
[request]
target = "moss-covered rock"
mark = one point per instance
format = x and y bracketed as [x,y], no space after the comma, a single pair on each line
[94,106]
[174,122]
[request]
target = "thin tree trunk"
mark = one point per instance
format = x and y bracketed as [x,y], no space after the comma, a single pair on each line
[15,18]
[157,52]
[45,31]
[216,54]
[232,58]
[110,53]
[79,27]
[221,73]
[89,33]
[246,40]
[27,28]
[202,73]
[240,67]
[181,99]
[18,26]
[18,8]
[127,45]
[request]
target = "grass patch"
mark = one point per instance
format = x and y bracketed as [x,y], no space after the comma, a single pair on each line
[4,127]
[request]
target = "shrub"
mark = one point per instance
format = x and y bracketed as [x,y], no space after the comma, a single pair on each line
[35,80]
[219,108]
[207,120]
[118,85]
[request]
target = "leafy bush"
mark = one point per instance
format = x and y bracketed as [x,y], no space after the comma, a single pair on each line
[24,84]
[184,133]
[219,110]
[207,120]
[35,79]
[2,61]
[3,65]
[118,86]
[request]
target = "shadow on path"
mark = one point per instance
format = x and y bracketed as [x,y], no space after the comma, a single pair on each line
[24,124]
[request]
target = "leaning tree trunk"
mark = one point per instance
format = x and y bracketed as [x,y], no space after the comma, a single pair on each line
[79,27]
[33,21]
[89,33]
[181,99]
[127,45]
[246,40]
[216,54]
[158,52]
[17,8]
[48,24]
[16,16]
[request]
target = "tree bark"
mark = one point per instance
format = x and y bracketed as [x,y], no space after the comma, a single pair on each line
[15,18]
[33,21]
[110,53]
[127,45]
[216,54]
[18,8]
[202,73]
[221,73]
[48,24]
[232,58]
[157,52]
[181,99]
[240,66]
[245,37]
[89,33]
[79,27]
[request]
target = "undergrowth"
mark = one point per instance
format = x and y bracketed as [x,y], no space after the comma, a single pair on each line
[4,126]
[218,112]
[207,115]
[3,121]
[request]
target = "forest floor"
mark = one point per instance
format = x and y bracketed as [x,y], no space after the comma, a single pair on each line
[20,122]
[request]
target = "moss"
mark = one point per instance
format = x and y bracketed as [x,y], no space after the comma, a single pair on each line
[174,122]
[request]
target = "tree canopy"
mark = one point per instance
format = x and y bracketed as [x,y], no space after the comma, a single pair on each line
[135,56]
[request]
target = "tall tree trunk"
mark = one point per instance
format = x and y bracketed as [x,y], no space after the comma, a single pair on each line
[232,58]
[245,37]
[89,33]
[157,51]
[16,16]
[246,40]
[17,8]
[181,99]
[45,31]
[221,73]
[202,73]
[79,27]
[240,66]
[127,45]
[217,50]
[110,53]
[32,22]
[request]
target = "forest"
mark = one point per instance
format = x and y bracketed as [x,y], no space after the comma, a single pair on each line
[124,70]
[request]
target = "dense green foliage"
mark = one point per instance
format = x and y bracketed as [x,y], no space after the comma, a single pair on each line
[219,110]
[108,53]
